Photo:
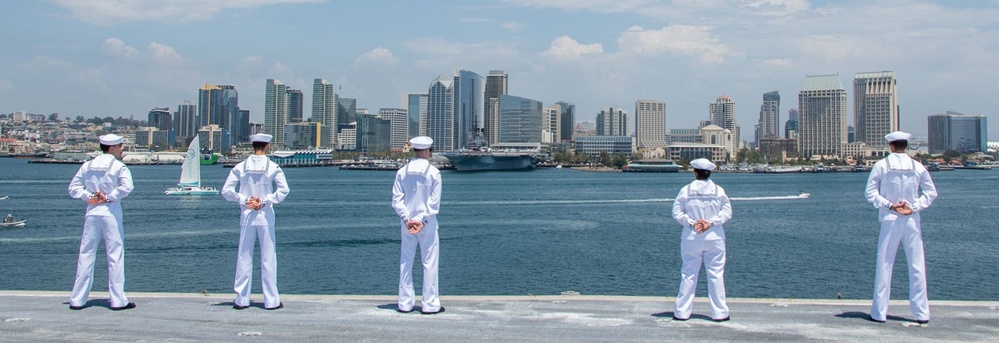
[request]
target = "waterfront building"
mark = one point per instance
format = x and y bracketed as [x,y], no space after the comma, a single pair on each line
[440,117]
[769,123]
[324,109]
[594,145]
[399,123]
[650,124]
[875,108]
[291,158]
[717,135]
[417,111]
[568,122]
[154,139]
[469,106]
[691,151]
[521,120]
[346,139]
[822,116]
[957,131]
[275,110]
[722,114]
[776,148]
[373,134]
[346,110]
[684,136]
[215,138]
[612,122]
[305,135]
[295,105]
[497,83]
[160,118]
[185,120]
[551,123]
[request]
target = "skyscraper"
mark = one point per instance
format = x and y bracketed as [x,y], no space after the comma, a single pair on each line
[373,134]
[568,121]
[243,135]
[957,131]
[275,111]
[612,122]
[520,120]
[295,105]
[218,104]
[417,108]
[324,107]
[875,107]
[722,113]
[399,125]
[186,119]
[469,107]
[650,124]
[496,85]
[551,123]
[823,116]
[769,124]
[791,125]
[440,116]
[346,110]
[161,119]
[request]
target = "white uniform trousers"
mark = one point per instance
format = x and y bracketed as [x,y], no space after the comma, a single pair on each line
[94,228]
[906,230]
[249,232]
[711,253]
[429,243]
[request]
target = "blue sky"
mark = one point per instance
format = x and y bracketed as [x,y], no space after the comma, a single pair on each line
[124,57]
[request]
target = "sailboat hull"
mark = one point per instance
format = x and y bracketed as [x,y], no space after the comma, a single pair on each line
[191,191]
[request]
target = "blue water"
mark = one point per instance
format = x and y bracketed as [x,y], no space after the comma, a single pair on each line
[508,233]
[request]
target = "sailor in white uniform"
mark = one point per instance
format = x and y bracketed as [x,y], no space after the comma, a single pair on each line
[894,188]
[102,182]
[416,198]
[257,177]
[702,208]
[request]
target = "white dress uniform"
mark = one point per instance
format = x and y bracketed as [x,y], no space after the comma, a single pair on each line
[257,176]
[899,178]
[107,175]
[702,199]
[416,196]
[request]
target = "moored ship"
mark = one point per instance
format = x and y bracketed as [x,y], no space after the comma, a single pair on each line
[485,159]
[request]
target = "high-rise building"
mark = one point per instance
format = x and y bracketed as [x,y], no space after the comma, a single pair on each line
[791,125]
[324,107]
[417,109]
[769,124]
[612,121]
[399,126]
[650,124]
[295,105]
[215,138]
[568,121]
[875,107]
[305,135]
[496,85]
[275,111]
[469,107]
[520,120]
[161,119]
[823,116]
[722,113]
[243,135]
[373,134]
[185,120]
[218,104]
[551,123]
[346,110]
[957,131]
[440,116]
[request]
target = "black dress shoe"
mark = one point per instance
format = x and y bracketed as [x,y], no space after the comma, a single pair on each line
[874,320]
[923,321]
[722,320]
[280,305]
[240,307]
[438,311]
[680,319]
[127,306]
[75,308]
[401,311]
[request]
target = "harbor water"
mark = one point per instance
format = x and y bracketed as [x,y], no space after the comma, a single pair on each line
[538,232]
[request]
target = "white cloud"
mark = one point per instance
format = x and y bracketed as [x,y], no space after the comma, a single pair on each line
[677,39]
[112,12]
[776,7]
[564,47]
[162,53]
[513,25]
[377,55]
[117,47]
[6,85]
[777,62]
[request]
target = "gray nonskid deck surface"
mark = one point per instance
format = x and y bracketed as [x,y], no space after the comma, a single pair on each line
[44,316]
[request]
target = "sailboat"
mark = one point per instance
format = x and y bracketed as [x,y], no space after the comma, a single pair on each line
[190,174]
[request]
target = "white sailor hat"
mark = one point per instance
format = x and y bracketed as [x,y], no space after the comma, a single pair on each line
[898,136]
[702,164]
[261,137]
[421,142]
[110,139]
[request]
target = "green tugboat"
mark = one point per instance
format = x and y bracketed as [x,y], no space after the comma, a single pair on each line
[208,157]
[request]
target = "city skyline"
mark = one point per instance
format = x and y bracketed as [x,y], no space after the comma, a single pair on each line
[123,58]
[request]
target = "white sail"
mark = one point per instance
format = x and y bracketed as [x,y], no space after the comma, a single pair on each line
[190,172]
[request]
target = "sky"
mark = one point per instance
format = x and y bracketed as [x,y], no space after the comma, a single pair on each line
[124,57]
